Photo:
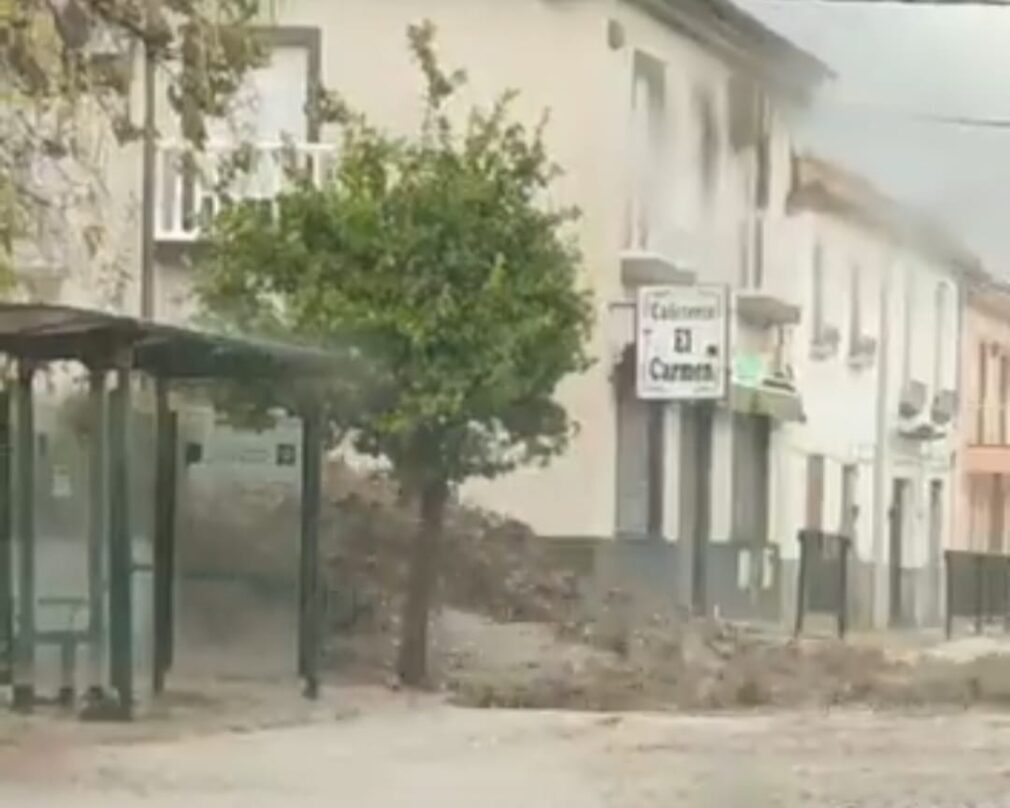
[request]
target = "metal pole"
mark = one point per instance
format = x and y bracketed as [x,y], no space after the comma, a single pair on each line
[120,551]
[703,504]
[309,601]
[24,659]
[6,548]
[164,534]
[97,527]
[656,450]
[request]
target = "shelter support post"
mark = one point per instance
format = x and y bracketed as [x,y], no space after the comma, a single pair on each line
[6,549]
[166,423]
[24,650]
[309,620]
[97,528]
[120,541]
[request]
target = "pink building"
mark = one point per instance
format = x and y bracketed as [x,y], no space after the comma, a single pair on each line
[983,506]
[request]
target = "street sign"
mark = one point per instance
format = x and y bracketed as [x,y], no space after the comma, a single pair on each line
[683,342]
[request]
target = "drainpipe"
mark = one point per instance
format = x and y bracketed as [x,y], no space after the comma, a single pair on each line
[880,456]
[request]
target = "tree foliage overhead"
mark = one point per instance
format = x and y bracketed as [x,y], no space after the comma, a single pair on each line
[436,256]
[67,71]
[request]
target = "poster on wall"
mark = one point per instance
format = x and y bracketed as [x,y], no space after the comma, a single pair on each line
[682,343]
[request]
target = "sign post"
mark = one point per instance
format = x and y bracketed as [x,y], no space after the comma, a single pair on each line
[683,355]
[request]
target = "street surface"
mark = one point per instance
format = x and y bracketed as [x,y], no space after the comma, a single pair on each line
[427,754]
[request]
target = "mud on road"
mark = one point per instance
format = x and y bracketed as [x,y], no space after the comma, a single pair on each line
[429,754]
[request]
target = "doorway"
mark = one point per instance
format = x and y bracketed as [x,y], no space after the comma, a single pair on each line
[899,500]
[997,518]
[936,548]
[640,460]
[751,467]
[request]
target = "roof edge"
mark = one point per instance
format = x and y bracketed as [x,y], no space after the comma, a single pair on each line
[824,186]
[738,35]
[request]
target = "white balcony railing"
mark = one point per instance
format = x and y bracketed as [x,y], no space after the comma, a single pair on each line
[991,425]
[720,247]
[193,187]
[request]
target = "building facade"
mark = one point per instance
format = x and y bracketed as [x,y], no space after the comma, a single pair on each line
[880,378]
[983,494]
[672,120]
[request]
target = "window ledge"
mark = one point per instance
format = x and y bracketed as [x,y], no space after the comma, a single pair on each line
[825,344]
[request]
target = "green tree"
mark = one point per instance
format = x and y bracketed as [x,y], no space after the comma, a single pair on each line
[438,261]
[66,71]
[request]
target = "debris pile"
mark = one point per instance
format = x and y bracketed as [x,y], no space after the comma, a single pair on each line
[510,629]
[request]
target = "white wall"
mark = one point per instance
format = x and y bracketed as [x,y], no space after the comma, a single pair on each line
[841,400]
[701,229]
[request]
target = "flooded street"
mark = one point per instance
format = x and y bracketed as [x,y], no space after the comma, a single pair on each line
[433,755]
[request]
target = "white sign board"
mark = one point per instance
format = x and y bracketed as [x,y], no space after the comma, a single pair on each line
[683,342]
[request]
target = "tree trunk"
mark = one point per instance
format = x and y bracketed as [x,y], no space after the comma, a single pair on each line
[413,658]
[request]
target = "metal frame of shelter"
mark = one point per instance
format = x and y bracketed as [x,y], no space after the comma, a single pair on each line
[110,345]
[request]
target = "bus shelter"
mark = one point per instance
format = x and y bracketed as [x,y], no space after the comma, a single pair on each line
[114,349]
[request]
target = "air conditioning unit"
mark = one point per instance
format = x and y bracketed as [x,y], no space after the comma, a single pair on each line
[912,399]
[944,407]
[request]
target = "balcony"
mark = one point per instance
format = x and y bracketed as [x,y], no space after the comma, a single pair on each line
[758,302]
[193,187]
[988,451]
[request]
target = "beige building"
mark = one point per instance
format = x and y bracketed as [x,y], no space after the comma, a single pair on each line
[672,120]
[879,372]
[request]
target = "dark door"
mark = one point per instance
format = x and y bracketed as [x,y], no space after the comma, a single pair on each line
[751,438]
[935,545]
[997,517]
[632,466]
[899,494]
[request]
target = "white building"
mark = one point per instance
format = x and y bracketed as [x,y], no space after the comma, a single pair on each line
[877,363]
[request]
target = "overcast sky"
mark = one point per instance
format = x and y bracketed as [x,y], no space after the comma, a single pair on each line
[895,62]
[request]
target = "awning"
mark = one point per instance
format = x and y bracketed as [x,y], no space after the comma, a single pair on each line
[774,402]
[52,332]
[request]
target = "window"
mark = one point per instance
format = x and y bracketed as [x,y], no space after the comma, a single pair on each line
[940,336]
[906,357]
[709,142]
[855,308]
[648,116]
[823,337]
[817,303]
[763,156]
[1004,394]
[983,383]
